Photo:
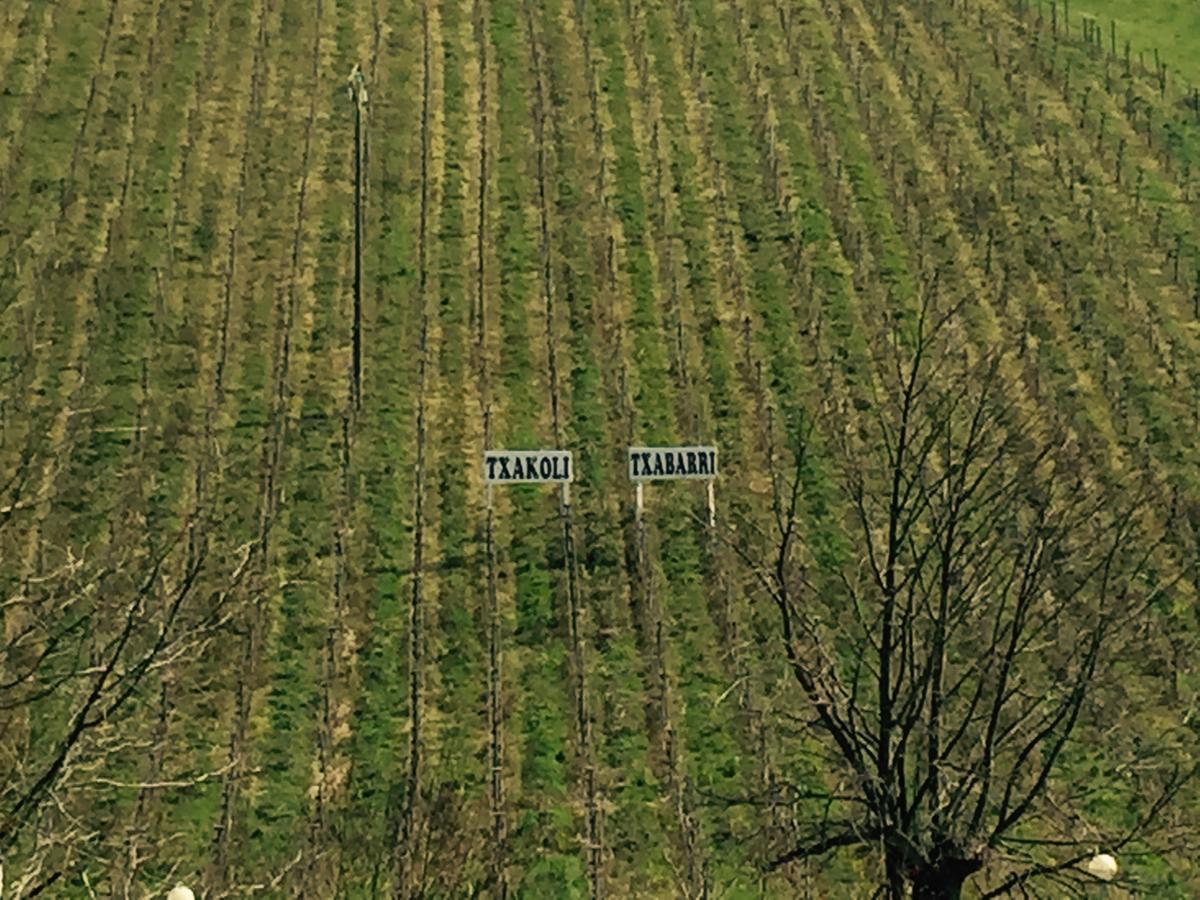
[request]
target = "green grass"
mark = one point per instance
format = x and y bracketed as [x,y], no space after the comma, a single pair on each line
[1170,26]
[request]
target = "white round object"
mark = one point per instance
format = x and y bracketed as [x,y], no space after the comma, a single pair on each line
[1103,866]
[179,892]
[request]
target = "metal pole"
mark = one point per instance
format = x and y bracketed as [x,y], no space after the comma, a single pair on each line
[359,94]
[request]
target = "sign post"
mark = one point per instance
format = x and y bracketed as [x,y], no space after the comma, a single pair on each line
[674,464]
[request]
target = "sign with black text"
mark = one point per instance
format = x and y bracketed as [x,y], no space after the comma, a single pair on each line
[660,463]
[526,466]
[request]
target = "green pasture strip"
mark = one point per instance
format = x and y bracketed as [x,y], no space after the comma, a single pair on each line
[31,235]
[577,224]
[542,840]
[284,724]
[654,422]
[24,40]
[1171,27]
[384,450]
[765,230]
[601,494]
[722,753]
[892,265]
[653,419]
[48,115]
[793,378]
[455,631]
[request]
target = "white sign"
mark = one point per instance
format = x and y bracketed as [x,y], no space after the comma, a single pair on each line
[657,463]
[526,466]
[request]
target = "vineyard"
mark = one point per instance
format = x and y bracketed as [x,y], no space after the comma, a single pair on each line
[261,632]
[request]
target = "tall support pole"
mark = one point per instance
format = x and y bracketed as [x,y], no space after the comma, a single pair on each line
[358,94]
[712,503]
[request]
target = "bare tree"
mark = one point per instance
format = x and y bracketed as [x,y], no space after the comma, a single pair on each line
[949,641]
[82,646]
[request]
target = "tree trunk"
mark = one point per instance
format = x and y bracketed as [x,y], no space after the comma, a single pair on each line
[942,880]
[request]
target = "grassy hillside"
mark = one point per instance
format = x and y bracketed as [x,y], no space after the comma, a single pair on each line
[1172,27]
[262,633]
